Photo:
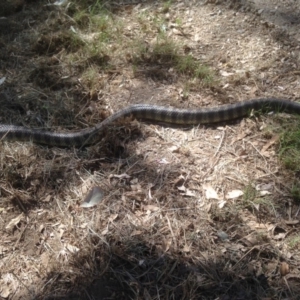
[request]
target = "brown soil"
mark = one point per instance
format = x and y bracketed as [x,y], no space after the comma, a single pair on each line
[172,223]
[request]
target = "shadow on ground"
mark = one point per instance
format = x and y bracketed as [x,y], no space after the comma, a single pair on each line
[133,269]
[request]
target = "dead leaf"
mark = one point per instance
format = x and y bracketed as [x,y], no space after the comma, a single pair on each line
[121,176]
[186,192]
[250,240]
[225,74]
[134,181]
[104,232]
[186,248]
[222,203]
[14,222]
[166,245]
[173,149]
[151,207]
[60,232]
[291,222]
[234,194]
[136,232]
[210,193]
[5,291]
[197,37]
[254,225]
[181,188]
[179,181]
[284,269]
[93,197]
[72,248]
[45,259]
[176,31]
[278,232]
[252,92]
[257,206]
[41,228]
[112,217]
[264,193]
[47,199]
[3,250]
[2,80]
[136,187]
[271,142]
[240,136]
[163,161]
[292,276]
[189,193]
[208,207]
[264,186]
[279,236]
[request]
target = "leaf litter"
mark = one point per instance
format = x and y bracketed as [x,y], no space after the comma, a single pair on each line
[178,217]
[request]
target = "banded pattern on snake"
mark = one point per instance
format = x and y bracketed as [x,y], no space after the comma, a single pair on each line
[152,113]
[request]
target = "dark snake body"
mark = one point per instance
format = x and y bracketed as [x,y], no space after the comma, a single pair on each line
[153,113]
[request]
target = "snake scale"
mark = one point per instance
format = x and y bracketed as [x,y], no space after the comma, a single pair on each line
[152,113]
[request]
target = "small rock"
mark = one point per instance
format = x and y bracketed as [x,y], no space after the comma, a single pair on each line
[222,235]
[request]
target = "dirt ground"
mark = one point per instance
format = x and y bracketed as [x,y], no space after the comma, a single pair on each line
[187,213]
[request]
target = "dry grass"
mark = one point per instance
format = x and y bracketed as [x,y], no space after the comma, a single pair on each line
[187,213]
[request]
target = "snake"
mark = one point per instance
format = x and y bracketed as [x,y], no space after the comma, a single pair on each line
[154,113]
